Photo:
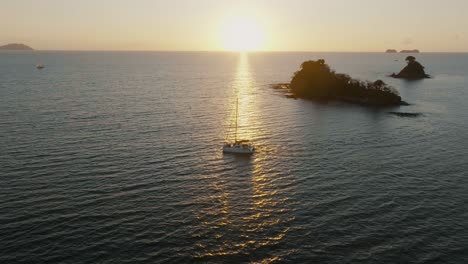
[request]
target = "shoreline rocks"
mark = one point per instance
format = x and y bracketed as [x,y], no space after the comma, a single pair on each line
[405,114]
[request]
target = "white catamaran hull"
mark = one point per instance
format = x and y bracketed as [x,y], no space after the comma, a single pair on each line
[239,149]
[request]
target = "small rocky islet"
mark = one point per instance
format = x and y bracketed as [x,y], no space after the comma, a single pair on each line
[402,51]
[412,71]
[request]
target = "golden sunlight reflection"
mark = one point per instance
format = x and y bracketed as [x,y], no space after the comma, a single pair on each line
[245,209]
[243,89]
[267,201]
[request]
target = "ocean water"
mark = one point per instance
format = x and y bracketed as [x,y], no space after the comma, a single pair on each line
[115,157]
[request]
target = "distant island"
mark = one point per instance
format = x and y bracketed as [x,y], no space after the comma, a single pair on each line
[413,71]
[15,46]
[410,51]
[402,51]
[316,81]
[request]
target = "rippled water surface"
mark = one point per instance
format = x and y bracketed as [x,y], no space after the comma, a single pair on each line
[114,157]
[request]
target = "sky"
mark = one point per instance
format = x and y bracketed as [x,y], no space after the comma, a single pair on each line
[209,25]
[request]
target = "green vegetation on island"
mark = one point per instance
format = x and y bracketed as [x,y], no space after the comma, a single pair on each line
[315,80]
[15,46]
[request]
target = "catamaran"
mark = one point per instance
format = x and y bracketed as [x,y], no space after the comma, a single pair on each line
[238,146]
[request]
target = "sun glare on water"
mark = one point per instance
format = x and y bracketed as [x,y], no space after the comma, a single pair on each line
[242,34]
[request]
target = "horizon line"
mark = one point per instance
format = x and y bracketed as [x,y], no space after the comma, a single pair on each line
[227,51]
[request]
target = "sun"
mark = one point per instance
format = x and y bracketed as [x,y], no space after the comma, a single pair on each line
[242,34]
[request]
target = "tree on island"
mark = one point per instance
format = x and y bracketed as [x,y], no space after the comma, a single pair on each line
[413,71]
[317,81]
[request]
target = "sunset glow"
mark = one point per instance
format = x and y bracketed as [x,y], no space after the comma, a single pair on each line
[242,34]
[222,25]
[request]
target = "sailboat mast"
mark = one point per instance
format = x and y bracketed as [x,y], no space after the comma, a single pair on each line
[237,111]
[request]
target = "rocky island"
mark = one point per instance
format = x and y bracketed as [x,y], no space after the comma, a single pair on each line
[15,46]
[413,71]
[410,51]
[391,51]
[316,81]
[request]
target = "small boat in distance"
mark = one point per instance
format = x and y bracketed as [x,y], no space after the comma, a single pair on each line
[40,66]
[238,146]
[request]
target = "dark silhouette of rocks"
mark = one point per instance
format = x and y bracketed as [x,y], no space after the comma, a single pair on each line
[15,46]
[413,71]
[315,80]
[391,51]
[410,51]
[405,114]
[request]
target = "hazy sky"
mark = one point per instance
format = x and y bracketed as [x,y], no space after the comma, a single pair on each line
[293,25]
